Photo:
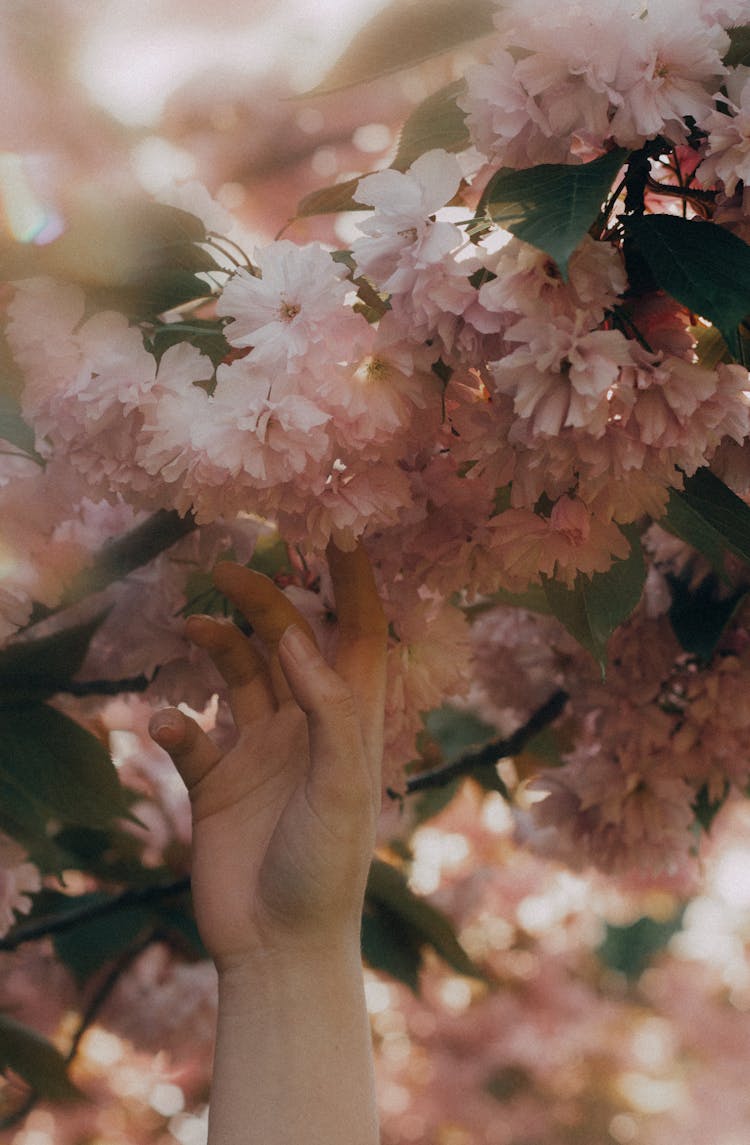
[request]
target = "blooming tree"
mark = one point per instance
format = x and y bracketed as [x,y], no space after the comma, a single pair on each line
[524,389]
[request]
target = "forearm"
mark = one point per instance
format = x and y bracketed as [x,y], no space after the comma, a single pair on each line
[293,1059]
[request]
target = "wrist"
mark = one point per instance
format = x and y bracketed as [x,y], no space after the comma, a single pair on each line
[280,966]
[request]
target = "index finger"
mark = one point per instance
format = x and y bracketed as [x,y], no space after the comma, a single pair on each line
[269,611]
[363,636]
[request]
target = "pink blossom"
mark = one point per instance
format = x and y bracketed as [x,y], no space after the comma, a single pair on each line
[292,313]
[18,879]
[581,541]
[401,237]
[562,374]
[670,68]
[728,155]
[613,817]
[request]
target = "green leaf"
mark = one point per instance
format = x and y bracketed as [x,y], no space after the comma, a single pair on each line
[14,429]
[630,949]
[331,200]
[700,617]
[706,809]
[596,605]
[534,599]
[710,517]
[205,334]
[509,1082]
[60,768]
[406,33]
[551,206]
[271,556]
[710,347]
[36,669]
[701,265]
[26,821]
[389,946]
[739,51]
[388,890]
[437,123]
[36,1060]
[89,945]
[457,731]
[140,258]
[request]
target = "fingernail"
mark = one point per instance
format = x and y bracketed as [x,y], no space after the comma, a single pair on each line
[165,725]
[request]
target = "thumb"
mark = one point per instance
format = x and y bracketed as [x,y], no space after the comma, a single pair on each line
[190,749]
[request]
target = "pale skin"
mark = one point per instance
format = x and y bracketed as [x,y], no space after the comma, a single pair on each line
[283,831]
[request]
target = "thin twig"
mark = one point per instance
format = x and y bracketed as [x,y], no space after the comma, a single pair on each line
[59,923]
[100,996]
[488,755]
[120,557]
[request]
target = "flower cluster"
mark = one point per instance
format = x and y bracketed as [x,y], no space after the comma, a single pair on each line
[486,411]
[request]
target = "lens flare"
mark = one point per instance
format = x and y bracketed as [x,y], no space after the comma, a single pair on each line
[23,215]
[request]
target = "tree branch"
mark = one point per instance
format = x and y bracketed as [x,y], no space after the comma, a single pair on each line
[120,557]
[59,923]
[488,755]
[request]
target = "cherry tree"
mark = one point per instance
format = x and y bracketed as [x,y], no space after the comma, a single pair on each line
[523,388]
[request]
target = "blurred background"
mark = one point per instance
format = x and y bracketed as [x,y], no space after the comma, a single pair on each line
[106,100]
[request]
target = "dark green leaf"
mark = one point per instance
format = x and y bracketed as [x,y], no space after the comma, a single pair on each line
[113,854]
[140,258]
[180,924]
[390,946]
[36,669]
[271,556]
[26,821]
[710,347]
[331,200]
[437,123]
[90,944]
[387,888]
[207,336]
[534,600]
[596,605]
[739,51]
[509,1082]
[699,617]
[551,206]
[58,766]
[710,517]
[701,265]
[36,1060]
[706,809]
[434,800]
[457,731]
[630,949]
[14,429]
[405,33]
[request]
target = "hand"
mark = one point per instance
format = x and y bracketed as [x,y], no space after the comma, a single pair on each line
[284,822]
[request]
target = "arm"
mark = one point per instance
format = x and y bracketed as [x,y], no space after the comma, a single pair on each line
[284,826]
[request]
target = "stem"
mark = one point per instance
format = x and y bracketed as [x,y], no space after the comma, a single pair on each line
[488,755]
[120,557]
[59,923]
[103,991]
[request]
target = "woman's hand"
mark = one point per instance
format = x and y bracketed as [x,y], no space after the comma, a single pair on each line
[284,822]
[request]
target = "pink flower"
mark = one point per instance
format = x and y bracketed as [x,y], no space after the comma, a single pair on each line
[293,314]
[728,155]
[401,237]
[18,879]
[563,373]
[670,67]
